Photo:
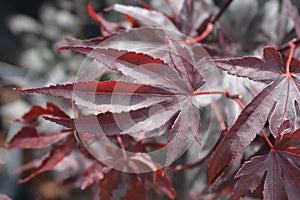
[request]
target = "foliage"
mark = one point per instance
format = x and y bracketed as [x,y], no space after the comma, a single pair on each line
[163,95]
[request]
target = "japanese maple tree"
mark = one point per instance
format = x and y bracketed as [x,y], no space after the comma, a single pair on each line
[163,94]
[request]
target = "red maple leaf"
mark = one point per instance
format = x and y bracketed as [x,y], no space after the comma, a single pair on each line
[109,179]
[278,170]
[29,138]
[275,103]
[164,94]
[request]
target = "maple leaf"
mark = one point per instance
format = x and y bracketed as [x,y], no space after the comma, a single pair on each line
[28,138]
[36,111]
[109,179]
[279,171]
[130,108]
[135,16]
[165,80]
[185,19]
[145,16]
[113,96]
[275,103]
[57,154]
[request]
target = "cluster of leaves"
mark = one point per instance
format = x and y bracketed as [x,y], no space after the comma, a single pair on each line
[65,144]
[267,118]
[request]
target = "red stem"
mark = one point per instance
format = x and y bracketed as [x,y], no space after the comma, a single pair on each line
[120,141]
[210,26]
[94,15]
[290,56]
[228,94]
[202,36]
[285,47]
[210,92]
[237,99]
[267,139]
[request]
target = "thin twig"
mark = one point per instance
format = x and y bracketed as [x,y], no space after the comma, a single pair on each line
[210,26]
[120,141]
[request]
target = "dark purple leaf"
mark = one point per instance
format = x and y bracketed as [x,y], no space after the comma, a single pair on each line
[184,63]
[267,69]
[133,122]
[37,111]
[57,154]
[275,103]
[28,138]
[279,170]
[187,121]
[112,96]
[141,67]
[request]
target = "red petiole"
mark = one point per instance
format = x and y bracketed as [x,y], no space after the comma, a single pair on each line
[210,26]
[237,98]
[290,56]
[120,141]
